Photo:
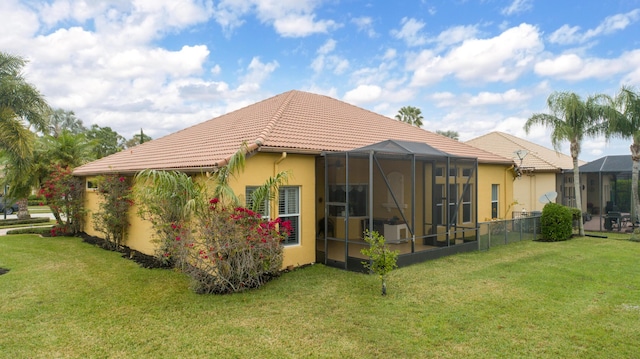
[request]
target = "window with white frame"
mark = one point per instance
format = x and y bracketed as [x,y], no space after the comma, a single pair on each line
[289,210]
[495,188]
[262,209]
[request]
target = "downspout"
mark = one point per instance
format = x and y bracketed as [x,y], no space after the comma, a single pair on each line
[275,172]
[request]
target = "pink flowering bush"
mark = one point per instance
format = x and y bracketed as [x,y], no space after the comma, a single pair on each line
[112,218]
[232,249]
[64,195]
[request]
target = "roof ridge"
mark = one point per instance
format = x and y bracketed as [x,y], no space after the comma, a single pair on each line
[533,148]
[262,137]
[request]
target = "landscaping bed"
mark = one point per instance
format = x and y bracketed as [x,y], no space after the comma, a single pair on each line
[144,260]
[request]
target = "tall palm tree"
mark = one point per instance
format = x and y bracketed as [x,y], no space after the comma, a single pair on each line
[571,119]
[21,107]
[411,115]
[20,102]
[624,122]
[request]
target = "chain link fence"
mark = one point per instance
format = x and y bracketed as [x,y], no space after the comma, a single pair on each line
[525,226]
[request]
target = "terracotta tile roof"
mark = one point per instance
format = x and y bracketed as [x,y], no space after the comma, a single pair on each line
[538,158]
[294,121]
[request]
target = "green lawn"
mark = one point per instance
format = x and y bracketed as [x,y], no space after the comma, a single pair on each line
[575,299]
[39,209]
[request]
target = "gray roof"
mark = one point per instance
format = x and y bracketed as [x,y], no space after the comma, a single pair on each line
[610,164]
[404,147]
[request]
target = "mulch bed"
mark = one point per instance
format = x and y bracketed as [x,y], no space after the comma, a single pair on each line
[144,260]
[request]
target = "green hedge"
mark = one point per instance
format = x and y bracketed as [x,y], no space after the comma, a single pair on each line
[33,230]
[11,222]
[556,222]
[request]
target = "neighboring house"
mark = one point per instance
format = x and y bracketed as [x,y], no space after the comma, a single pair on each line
[537,171]
[607,184]
[303,132]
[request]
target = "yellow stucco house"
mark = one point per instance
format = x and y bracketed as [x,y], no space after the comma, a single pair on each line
[538,170]
[423,191]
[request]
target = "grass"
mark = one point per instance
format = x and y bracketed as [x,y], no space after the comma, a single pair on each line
[573,299]
[39,209]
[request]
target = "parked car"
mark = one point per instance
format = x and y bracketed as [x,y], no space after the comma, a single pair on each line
[11,207]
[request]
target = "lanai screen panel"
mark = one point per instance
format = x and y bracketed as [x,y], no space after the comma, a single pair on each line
[417,197]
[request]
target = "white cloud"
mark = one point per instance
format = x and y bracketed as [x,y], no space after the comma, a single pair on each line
[389,54]
[571,34]
[517,6]
[363,94]
[258,72]
[365,24]
[494,98]
[410,32]
[302,25]
[328,47]
[290,18]
[501,58]
[326,61]
[15,29]
[456,35]
[574,68]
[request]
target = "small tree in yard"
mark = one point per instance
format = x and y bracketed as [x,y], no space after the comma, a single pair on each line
[382,260]
[112,218]
[64,194]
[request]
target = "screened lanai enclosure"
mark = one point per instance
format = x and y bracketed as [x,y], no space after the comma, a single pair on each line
[606,184]
[422,200]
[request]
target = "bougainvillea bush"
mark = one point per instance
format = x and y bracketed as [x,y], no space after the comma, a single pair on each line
[112,218]
[64,195]
[231,250]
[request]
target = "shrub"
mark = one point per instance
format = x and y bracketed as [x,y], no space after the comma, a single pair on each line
[232,250]
[576,214]
[556,222]
[112,219]
[64,194]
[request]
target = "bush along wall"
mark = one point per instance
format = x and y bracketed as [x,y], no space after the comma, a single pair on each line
[556,222]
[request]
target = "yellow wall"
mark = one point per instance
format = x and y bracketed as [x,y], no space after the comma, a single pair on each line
[489,174]
[140,234]
[528,189]
[302,168]
[258,168]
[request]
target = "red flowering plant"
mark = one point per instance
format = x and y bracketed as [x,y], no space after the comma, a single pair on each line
[234,249]
[64,194]
[112,218]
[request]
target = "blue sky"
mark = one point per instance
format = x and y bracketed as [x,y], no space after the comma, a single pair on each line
[472,66]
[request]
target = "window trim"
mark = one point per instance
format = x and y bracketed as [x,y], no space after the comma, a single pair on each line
[286,216]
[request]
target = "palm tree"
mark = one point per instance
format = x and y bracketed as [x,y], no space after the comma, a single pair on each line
[19,102]
[411,115]
[449,133]
[624,122]
[62,120]
[68,149]
[571,119]
[21,106]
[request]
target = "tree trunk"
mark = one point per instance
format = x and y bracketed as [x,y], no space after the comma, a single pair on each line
[576,186]
[635,156]
[23,209]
